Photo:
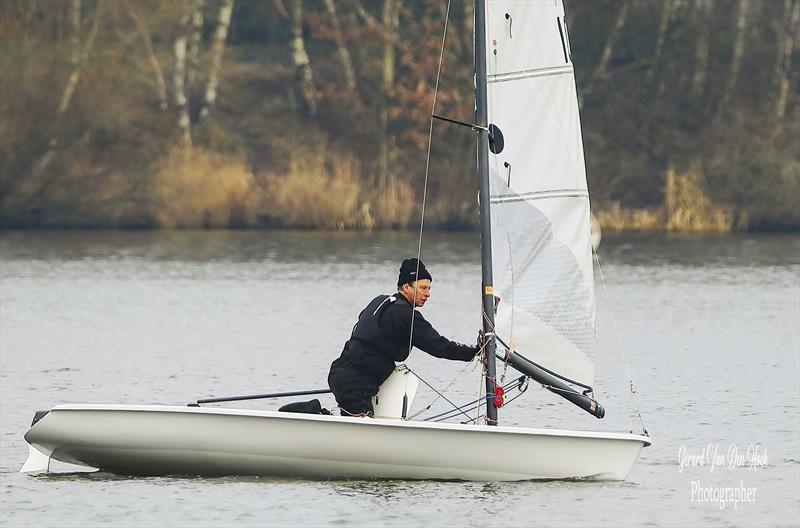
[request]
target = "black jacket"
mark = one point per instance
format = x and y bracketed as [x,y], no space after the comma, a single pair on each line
[380,338]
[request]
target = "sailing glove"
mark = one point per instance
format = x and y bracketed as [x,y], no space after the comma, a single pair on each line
[481,343]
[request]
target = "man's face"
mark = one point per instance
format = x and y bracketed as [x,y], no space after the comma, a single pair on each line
[420,290]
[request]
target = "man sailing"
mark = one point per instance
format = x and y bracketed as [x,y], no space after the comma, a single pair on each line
[381,337]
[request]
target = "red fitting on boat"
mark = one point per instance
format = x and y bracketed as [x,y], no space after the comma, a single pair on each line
[498,396]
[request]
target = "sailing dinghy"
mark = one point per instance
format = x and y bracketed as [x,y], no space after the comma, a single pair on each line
[538,295]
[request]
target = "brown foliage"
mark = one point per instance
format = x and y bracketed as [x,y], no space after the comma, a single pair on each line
[360,161]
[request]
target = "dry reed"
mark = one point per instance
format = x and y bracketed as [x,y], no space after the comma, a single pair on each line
[197,188]
[319,191]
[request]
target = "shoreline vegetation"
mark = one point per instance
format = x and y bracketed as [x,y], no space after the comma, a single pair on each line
[296,114]
[195,203]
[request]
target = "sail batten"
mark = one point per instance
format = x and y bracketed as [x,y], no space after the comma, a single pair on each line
[539,195]
[527,74]
[539,199]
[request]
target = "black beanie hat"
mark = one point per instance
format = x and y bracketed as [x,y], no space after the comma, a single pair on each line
[408,272]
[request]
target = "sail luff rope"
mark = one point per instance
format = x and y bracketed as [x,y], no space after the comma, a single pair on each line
[633,394]
[427,171]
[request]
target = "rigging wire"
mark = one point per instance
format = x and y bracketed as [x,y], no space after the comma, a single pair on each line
[441,395]
[632,393]
[427,170]
[424,200]
[521,383]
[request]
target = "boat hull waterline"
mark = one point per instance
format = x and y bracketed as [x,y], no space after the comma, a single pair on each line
[165,440]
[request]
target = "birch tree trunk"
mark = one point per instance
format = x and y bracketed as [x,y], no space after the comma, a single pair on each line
[390,22]
[194,44]
[217,49]
[466,35]
[791,25]
[680,83]
[181,100]
[666,15]
[282,10]
[364,14]
[702,50]
[602,67]
[75,32]
[302,64]
[738,52]
[79,58]
[158,73]
[341,47]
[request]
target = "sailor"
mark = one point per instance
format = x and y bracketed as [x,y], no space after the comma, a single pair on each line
[381,337]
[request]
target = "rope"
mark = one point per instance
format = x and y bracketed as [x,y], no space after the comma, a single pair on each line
[422,212]
[427,172]
[520,383]
[633,396]
[440,394]
[426,408]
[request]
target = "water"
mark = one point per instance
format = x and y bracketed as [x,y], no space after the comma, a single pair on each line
[709,326]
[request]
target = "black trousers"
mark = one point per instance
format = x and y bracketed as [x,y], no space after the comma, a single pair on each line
[353,393]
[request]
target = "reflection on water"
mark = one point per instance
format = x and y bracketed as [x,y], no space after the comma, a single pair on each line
[708,327]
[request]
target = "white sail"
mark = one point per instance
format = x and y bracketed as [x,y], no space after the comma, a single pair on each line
[540,220]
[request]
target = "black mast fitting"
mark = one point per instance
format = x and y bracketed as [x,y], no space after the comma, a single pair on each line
[473,126]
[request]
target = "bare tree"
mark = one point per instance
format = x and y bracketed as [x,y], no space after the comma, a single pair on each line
[181,98]
[390,19]
[217,49]
[302,64]
[702,49]
[75,32]
[365,15]
[601,69]
[738,52]
[667,8]
[341,47]
[786,44]
[195,39]
[158,74]
[466,32]
[282,10]
[79,58]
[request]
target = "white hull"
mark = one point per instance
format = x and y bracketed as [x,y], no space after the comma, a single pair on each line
[162,440]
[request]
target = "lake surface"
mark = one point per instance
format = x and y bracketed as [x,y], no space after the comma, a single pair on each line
[708,327]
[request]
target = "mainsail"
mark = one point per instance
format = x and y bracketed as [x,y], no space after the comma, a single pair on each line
[539,201]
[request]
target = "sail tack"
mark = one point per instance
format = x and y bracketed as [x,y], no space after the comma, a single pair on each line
[540,219]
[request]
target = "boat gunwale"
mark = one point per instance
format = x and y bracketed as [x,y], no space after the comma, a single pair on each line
[414,424]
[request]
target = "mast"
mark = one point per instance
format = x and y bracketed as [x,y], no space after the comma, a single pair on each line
[487,291]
